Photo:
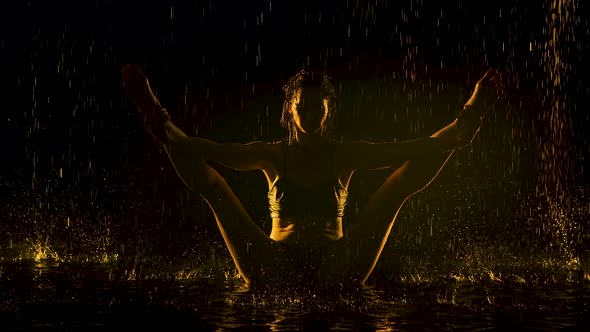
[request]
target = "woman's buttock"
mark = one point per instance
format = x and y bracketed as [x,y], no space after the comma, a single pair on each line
[298,263]
[303,258]
[303,269]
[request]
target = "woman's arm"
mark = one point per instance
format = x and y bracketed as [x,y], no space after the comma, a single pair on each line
[239,156]
[361,155]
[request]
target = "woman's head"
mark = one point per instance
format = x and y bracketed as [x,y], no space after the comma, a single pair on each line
[309,106]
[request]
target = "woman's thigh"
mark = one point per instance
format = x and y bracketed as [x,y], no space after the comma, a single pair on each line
[252,250]
[353,257]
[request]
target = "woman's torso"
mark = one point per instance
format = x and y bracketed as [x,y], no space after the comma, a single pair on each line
[307,193]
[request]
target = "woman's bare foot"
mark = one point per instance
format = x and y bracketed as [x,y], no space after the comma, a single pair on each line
[138,88]
[488,91]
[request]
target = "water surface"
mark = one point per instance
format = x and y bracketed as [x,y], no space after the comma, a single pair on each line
[51,296]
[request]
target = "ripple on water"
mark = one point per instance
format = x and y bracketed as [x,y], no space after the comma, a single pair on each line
[87,295]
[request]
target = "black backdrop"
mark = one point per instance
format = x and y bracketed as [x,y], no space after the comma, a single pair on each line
[80,176]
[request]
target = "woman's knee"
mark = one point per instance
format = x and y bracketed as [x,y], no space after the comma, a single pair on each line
[194,172]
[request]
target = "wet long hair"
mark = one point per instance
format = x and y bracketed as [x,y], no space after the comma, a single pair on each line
[307,79]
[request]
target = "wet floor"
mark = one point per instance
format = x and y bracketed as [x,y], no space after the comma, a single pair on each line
[90,297]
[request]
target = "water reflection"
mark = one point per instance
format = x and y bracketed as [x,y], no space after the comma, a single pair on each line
[44,294]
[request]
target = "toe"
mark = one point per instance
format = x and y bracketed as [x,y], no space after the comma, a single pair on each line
[135,69]
[490,73]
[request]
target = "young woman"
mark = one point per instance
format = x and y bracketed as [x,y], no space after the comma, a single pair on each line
[308,175]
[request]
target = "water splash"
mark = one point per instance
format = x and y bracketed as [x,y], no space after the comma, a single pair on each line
[557,158]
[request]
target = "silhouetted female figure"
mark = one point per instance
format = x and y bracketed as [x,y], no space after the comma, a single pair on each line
[308,175]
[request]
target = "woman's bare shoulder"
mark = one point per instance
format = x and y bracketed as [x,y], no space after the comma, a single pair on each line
[265,145]
[272,154]
[274,146]
[270,150]
[341,146]
[347,154]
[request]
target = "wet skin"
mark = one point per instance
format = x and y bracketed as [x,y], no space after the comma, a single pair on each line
[351,257]
[308,168]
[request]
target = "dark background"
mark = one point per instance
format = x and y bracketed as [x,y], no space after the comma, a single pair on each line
[81,178]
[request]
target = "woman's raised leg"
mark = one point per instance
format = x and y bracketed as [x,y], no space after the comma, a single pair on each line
[253,252]
[355,255]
